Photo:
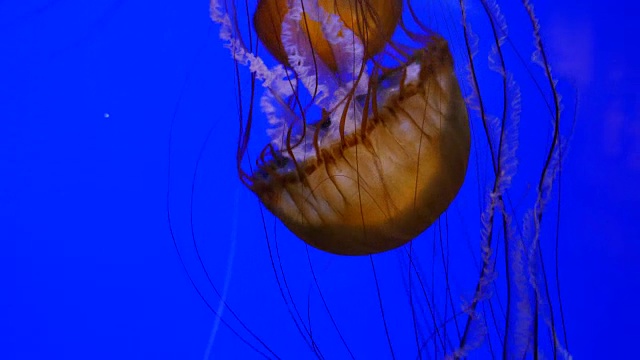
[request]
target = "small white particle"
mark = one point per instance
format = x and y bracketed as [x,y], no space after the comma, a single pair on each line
[413,73]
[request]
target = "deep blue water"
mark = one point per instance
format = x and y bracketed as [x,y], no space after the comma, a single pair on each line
[90,93]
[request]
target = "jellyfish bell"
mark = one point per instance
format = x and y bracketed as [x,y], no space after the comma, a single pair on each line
[390,151]
[372,22]
[379,188]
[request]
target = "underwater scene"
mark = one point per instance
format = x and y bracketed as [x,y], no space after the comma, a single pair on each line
[319,179]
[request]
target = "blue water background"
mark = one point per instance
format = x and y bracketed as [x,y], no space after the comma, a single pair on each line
[88,94]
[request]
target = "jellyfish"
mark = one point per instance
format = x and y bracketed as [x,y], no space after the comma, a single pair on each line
[389,150]
[397,133]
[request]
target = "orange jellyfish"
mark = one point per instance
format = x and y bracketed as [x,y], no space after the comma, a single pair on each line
[356,127]
[387,149]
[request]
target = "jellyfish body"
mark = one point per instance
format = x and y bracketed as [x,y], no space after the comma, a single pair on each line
[390,151]
[369,114]
[383,185]
[373,23]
